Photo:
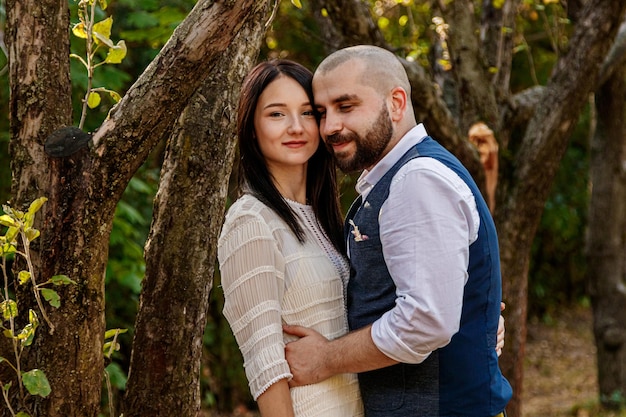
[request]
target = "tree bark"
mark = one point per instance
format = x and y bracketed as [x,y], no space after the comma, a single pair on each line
[84,188]
[181,248]
[543,145]
[606,239]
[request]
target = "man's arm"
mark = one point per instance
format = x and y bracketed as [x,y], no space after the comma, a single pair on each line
[313,358]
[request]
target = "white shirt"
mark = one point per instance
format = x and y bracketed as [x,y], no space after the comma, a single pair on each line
[270,278]
[427,224]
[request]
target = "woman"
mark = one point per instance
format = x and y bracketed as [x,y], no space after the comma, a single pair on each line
[281,247]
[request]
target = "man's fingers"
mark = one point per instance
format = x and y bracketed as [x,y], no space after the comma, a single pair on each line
[294,330]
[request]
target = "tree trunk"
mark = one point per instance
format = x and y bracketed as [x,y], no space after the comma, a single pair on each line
[606,244]
[83,189]
[181,248]
[535,165]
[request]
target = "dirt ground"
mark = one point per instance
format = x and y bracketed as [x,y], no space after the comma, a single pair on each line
[560,377]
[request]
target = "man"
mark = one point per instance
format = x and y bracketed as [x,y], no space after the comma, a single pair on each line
[425,289]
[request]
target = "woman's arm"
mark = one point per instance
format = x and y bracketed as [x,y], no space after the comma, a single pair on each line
[252,277]
[276,401]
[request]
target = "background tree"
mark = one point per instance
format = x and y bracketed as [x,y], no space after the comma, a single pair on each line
[606,245]
[83,188]
[181,248]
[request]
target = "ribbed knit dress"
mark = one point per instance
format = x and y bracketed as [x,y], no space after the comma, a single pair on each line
[270,278]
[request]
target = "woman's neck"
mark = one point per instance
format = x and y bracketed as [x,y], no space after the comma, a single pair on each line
[291,184]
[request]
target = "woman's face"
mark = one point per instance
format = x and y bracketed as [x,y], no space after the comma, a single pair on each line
[285,125]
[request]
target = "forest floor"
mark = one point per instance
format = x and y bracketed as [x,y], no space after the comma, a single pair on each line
[560,376]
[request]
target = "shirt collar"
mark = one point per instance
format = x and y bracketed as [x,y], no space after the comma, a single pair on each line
[368,179]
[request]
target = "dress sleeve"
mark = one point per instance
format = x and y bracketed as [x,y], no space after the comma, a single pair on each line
[252,273]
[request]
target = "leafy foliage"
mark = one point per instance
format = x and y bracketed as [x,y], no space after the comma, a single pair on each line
[18,235]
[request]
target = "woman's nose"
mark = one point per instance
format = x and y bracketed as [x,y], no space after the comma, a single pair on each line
[295,125]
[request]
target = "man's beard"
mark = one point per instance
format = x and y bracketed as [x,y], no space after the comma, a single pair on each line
[369,147]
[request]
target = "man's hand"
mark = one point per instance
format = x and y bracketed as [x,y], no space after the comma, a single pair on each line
[306,356]
[501,331]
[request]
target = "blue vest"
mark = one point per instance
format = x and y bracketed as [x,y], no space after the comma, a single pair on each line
[462,378]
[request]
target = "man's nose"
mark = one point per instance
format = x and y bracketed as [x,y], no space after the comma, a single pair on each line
[330,124]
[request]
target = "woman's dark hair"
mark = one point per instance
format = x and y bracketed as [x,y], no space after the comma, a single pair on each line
[321,187]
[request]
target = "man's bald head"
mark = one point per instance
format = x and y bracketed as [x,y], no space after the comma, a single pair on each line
[380,68]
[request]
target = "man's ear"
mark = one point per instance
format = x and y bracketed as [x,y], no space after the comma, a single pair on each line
[399,99]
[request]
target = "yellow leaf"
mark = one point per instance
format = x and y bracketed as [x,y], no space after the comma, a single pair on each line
[79,31]
[383,22]
[103,30]
[31,234]
[93,100]
[115,96]
[6,220]
[24,277]
[297,3]
[36,205]
[116,53]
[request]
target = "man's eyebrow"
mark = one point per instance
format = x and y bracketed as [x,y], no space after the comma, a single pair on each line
[341,99]
[345,97]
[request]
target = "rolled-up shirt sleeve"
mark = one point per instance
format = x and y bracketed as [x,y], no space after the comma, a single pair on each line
[426,227]
[252,273]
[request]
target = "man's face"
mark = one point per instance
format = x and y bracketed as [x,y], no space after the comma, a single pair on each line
[355,122]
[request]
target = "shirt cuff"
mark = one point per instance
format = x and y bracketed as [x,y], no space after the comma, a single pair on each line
[392,346]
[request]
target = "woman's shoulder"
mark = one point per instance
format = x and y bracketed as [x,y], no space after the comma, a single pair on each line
[247,206]
[248,210]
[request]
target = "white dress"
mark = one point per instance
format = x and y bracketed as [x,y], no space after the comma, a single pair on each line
[270,278]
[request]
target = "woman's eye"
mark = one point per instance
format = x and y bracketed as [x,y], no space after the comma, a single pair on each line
[275,114]
[308,113]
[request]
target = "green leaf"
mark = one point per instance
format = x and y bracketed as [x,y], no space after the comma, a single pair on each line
[23,277]
[9,309]
[297,3]
[7,386]
[102,4]
[22,414]
[117,53]
[36,383]
[27,335]
[51,297]
[62,280]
